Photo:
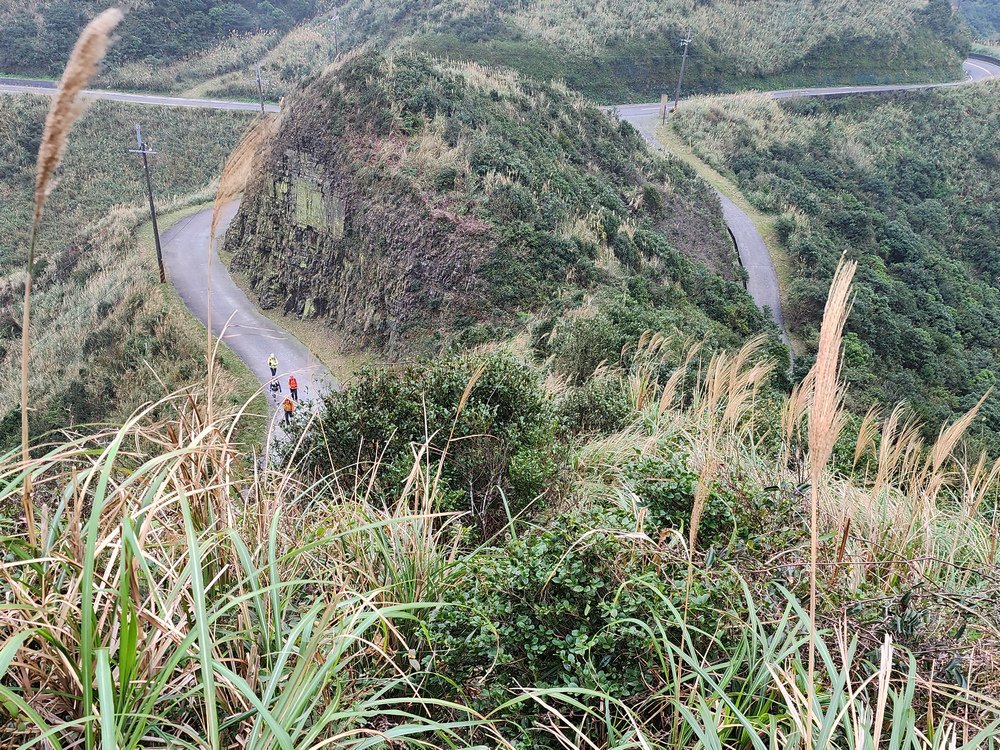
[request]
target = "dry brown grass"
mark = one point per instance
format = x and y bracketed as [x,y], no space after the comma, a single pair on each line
[86,56]
[826,420]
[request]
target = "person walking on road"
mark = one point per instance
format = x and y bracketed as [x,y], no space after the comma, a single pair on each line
[272,362]
[293,386]
[289,406]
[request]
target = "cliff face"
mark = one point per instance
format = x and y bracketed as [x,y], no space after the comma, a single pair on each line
[320,233]
[405,200]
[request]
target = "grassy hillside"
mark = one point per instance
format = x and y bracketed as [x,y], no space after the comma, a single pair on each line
[450,560]
[629,51]
[103,332]
[36,36]
[414,204]
[106,336]
[613,52]
[907,186]
[98,172]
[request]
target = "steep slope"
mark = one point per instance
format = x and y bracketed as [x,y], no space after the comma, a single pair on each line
[411,202]
[905,184]
[618,52]
[37,35]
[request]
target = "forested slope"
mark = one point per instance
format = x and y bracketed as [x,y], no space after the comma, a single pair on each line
[412,202]
[906,185]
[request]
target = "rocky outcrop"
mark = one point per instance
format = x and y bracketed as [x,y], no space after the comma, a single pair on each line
[405,201]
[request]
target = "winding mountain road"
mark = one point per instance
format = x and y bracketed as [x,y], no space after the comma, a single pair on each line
[253,337]
[762,279]
[235,317]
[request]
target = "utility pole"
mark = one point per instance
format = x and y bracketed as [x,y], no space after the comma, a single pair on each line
[146,153]
[260,89]
[685,42]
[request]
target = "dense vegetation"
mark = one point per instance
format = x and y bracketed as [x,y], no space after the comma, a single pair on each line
[416,204]
[983,16]
[612,52]
[36,37]
[650,592]
[103,333]
[907,186]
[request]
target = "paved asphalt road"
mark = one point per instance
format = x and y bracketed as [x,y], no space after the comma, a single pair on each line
[234,317]
[48,88]
[762,280]
[253,337]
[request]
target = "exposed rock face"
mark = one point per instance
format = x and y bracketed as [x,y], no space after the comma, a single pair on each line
[315,240]
[404,200]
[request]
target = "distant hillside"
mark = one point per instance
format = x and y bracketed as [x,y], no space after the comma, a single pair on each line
[413,203]
[905,184]
[37,35]
[612,52]
[630,51]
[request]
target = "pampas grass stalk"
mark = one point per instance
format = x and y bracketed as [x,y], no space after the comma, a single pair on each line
[65,109]
[825,423]
[232,183]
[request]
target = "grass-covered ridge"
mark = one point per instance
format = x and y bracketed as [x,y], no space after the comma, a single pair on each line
[411,202]
[907,186]
[618,52]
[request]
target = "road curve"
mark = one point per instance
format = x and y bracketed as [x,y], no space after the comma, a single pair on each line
[253,337]
[762,279]
[48,88]
[235,317]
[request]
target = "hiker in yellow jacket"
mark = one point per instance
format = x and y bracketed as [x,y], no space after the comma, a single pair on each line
[272,362]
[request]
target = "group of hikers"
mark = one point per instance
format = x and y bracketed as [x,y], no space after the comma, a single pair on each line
[288,405]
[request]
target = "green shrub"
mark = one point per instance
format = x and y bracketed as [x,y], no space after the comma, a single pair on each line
[600,405]
[665,487]
[579,603]
[500,448]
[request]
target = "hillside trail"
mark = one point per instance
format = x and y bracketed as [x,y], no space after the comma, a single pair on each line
[237,319]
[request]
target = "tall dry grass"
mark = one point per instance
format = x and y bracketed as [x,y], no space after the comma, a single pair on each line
[235,175]
[826,420]
[83,62]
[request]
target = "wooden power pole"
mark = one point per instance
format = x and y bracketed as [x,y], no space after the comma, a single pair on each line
[686,43]
[146,153]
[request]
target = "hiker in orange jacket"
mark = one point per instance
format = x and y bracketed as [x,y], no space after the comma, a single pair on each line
[289,406]
[293,386]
